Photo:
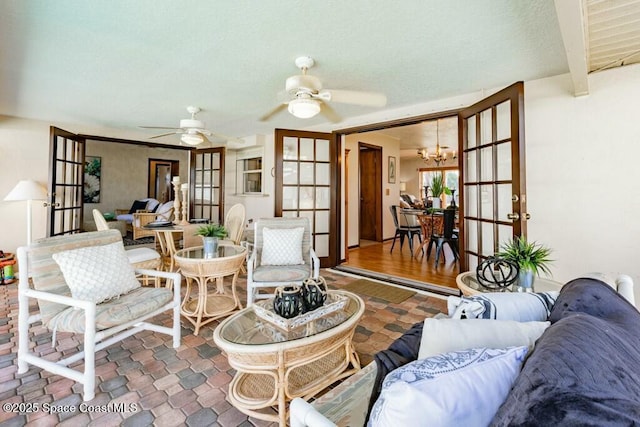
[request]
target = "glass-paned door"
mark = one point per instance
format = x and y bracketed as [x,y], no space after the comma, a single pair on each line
[207,183]
[493,178]
[306,185]
[66,182]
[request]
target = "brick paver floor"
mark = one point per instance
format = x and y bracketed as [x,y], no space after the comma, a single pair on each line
[144,381]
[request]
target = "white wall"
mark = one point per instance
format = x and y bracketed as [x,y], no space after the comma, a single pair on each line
[583,174]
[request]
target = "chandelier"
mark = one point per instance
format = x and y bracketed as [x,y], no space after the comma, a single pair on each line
[440,155]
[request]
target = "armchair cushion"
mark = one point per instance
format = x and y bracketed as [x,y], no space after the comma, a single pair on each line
[277,273]
[131,306]
[138,205]
[97,273]
[282,246]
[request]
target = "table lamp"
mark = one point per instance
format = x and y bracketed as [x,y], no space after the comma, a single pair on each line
[28,190]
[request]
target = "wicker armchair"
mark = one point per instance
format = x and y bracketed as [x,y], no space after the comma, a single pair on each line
[140,219]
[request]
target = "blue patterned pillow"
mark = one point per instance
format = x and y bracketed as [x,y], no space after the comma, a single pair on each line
[458,388]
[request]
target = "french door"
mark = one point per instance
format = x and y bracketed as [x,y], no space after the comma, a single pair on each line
[207,182]
[66,182]
[494,200]
[306,185]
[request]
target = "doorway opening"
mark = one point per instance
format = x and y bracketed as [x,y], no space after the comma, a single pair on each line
[160,174]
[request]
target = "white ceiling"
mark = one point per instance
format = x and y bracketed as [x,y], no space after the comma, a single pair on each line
[106,68]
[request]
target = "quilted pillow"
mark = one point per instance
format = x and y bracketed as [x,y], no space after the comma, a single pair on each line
[462,388]
[97,273]
[282,246]
[446,335]
[519,306]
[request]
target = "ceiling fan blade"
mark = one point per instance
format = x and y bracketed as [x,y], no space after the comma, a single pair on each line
[166,134]
[158,127]
[369,99]
[227,138]
[327,111]
[273,112]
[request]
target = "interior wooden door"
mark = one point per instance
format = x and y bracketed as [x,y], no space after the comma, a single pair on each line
[306,186]
[494,200]
[207,184]
[66,182]
[370,161]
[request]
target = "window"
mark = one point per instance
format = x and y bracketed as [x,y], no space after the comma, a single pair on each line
[249,172]
[450,179]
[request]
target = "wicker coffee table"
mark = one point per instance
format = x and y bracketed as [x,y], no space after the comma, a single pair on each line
[274,365]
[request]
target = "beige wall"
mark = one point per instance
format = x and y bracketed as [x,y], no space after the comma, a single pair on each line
[125,172]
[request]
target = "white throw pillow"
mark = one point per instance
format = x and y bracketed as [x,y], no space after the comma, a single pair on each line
[523,307]
[446,335]
[97,273]
[282,246]
[462,388]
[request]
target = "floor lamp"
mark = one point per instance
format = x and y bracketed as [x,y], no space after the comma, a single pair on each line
[28,190]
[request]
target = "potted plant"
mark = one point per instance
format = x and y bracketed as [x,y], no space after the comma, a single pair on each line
[437,188]
[210,234]
[530,257]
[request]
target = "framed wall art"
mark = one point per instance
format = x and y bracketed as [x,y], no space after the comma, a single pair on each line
[92,171]
[392,170]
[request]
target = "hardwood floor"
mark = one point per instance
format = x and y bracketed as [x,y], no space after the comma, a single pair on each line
[415,272]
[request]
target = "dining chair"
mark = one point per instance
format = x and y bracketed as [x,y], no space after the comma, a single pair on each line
[406,226]
[446,236]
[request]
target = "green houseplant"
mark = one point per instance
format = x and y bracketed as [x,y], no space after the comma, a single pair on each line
[210,234]
[530,257]
[437,188]
[212,230]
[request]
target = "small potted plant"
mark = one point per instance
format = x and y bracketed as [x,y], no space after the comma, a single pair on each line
[437,188]
[210,234]
[530,257]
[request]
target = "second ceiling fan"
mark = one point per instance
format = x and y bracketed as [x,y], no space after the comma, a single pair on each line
[192,131]
[307,98]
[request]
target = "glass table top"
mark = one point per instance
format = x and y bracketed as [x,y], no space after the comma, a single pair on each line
[197,252]
[246,327]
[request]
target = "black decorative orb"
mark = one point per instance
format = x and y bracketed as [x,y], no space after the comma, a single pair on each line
[288,301]
[497,273]
[314,293]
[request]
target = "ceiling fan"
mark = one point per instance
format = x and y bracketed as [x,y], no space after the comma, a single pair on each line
[192,131]
[306,98]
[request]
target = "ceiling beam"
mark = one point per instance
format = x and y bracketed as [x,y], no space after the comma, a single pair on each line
[572,17]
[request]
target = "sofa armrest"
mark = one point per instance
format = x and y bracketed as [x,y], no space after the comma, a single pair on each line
[348,402]
[305,415]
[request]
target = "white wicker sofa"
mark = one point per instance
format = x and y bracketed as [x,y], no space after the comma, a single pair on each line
[348,403]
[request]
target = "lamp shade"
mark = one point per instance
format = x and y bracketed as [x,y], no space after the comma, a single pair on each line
[304,108]
[27,189]
[403,186]
[192,138]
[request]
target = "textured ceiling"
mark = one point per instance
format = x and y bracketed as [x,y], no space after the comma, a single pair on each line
[109,67]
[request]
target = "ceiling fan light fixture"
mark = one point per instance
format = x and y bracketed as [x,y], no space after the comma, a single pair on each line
[304,108]
[192,138]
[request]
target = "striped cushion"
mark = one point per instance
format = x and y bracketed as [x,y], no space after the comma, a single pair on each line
[131,306]
[522,307]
